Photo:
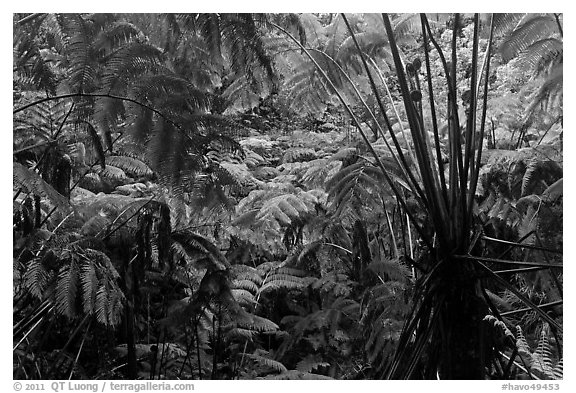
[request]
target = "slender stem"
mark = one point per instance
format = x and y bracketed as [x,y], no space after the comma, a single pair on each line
[338,247]
[79,351]
[198,350]
[29,18]
[389,94]
[508,262]
[512,244]
[435,206]
[424,22]
[379,101]
[557,17]
[520,310]
[27,333]
[519,295]
[474,182]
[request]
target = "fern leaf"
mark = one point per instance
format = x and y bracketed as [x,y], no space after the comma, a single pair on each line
[36,278]
[82,73]
[113,172]
[264,361]
[129,165]
[391,269]
[67,288]
[542,357]
[278,281]
[89,281]
[33,183]
[558,371]
[523,347]
[194,243]
[97,143]
[532,30]
[311,363]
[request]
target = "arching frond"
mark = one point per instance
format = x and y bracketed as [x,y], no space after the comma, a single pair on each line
[79,52]
[195,244]
[530,31]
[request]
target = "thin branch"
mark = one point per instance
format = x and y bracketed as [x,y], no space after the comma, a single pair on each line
[557,17]
[508,262]
[71,95]
[546,305]
[29,18]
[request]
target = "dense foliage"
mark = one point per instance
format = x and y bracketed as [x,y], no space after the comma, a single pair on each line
[315,196]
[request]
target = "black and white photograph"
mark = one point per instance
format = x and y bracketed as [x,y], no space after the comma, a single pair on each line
[287,196]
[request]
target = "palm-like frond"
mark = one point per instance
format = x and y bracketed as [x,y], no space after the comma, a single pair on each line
[195,244]
[532,29]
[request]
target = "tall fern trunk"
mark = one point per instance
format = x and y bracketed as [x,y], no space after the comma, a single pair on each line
[462,354]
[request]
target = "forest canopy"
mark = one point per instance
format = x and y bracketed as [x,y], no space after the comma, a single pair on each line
[287,196]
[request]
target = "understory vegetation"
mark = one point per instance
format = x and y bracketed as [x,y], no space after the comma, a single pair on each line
[287,196]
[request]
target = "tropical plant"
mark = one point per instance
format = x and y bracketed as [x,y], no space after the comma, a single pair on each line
[444,326]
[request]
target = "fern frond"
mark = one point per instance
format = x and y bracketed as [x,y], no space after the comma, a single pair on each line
[533,29]
[31,66]
[247,285]
[89,281]
[264,361]
[113,172]
[523,347]
[257,323]
[33,183]
[391,269]
[120,32]
[194,244]
[550,92]
[67,288]
[36,278]
[297,375]
[130,165]
[541,54]
[538,171]
[82,73]
[542,357]
[245,273]
[97,143]
[500,327]
[311,363]
[558,371]
[277,281]
[128,62]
